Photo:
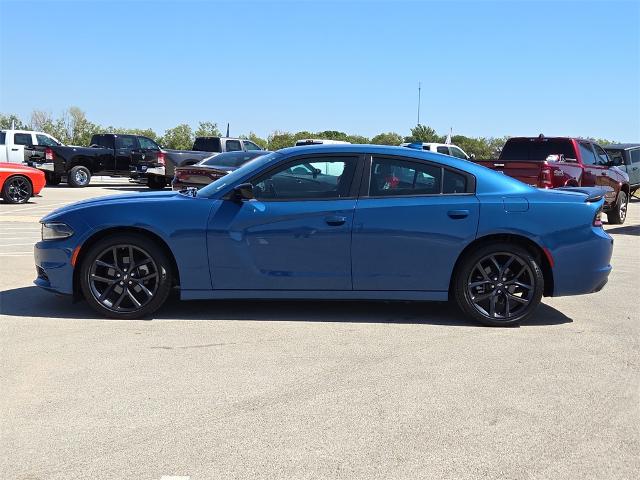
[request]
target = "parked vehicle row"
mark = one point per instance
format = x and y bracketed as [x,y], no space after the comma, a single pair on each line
[334,222]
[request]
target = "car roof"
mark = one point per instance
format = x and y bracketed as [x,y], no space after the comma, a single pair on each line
[621,146]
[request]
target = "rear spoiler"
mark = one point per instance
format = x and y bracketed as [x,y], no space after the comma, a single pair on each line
[593,194]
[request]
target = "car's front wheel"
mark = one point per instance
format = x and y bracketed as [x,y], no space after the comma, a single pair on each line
[17,189]
[499,284]
[125,276]
[618,213]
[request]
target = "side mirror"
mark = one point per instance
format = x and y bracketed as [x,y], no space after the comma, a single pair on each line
[472,156]
[244,191]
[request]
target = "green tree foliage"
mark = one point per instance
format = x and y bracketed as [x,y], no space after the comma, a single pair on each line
[7,120]
[389,138]
[207,129]
[423,133]
[178,138]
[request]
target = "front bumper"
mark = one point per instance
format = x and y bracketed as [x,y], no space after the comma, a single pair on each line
[53,266]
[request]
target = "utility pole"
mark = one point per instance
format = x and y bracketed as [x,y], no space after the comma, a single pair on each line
[419,88]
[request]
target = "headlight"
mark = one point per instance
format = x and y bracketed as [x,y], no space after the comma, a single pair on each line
[55,231]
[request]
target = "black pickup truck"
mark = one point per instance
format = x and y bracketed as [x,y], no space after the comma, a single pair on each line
[110,154]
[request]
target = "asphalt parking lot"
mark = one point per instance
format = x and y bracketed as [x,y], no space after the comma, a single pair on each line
[314,390]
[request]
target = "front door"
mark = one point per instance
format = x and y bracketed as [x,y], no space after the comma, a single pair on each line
[411,226]
[294,235]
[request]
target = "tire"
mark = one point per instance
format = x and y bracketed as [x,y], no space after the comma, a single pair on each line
[113,288]
[618,214]
[53,179]
[156,183]
[17,189]
[79,176]
[479,284]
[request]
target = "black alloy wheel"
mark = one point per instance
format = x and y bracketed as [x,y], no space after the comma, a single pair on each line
[17,190]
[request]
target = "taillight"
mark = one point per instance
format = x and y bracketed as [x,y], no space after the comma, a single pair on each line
[545,177]
[161,158]
[48,154]
[597,220]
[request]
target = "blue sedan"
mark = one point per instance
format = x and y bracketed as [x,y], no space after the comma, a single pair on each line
[333,222]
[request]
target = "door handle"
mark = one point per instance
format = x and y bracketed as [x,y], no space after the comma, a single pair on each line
[335,220]
[14,149]
[457,214]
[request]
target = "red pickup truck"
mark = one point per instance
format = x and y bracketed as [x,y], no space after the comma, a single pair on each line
[551,162]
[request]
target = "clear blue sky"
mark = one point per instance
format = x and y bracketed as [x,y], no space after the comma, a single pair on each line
[487,68]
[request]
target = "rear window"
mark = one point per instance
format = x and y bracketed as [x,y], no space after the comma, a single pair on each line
[105,141]
[234,159]
[535,149]
[207,144]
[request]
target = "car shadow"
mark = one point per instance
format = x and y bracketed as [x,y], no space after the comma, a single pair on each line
[626,230]
[129,188]
[34,302]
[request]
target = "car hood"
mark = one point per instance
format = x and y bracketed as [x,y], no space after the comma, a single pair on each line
[131,198]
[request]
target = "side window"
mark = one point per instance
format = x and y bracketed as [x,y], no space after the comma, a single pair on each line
[444,150]
[3,136]
[126,142]
[635,156]
[456,152]
[454,182]
[588,157]
[602,159]
[46,141]
[233,146]
[251,146]
[318,178]
[22,139]
[148,144]
[391,177]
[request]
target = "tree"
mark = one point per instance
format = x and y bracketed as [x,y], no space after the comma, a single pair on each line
[423,133]
[208,129]
[389,138]
[279,139]
[357,139]
[6,121]
[179,138]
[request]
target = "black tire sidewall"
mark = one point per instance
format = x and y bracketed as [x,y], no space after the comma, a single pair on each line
[614,216]
[158,255]
[468,262]
[5,190]
[71,176]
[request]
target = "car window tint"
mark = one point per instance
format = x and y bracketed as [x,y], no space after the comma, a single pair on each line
[147,144]
[233,146]
[635,156]
[456,152]
[392,177]
[602,157]
[251,146]
[3,135]
[616,156]
[588,157]
[22,139]
[207,144]
[308,179]
[234,159]
[126,142]
[444,150]
[454,182]
[536,149]
[46,141]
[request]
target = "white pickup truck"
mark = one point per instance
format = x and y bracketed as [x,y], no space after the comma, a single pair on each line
[16,146]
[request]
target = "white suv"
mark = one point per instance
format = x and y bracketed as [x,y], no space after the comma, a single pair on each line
[444,148]
[16,146]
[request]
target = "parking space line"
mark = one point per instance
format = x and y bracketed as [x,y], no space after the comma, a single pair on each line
[16,244]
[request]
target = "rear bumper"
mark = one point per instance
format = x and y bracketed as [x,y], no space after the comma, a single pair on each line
[583,267]
[139,174]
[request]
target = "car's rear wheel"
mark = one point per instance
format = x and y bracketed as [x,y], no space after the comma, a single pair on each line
[499,284]
[17,189]
[156,183]
[79,176]
[52,179]
[618,214]
[125,276]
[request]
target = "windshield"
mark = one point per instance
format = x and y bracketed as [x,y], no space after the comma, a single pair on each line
[616,156]
[244,171]
[230,159]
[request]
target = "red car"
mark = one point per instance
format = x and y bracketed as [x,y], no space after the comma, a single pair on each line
[19,183]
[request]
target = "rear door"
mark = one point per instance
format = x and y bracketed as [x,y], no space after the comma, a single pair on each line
[21,148]
[412,221]
[127,150]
